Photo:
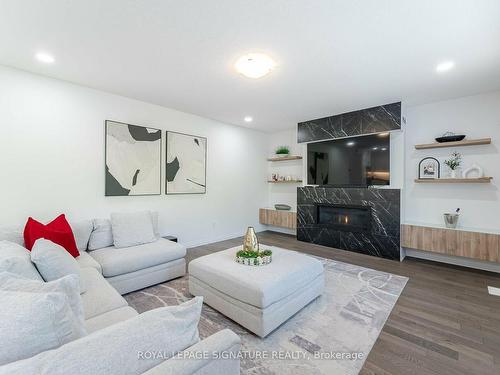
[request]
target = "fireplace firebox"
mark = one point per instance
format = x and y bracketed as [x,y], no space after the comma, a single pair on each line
[347,218]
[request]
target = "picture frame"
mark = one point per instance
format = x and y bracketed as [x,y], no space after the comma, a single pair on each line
[186,164]
[133,158]
[429,168]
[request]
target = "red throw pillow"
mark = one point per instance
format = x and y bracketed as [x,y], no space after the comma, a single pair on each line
[58,231]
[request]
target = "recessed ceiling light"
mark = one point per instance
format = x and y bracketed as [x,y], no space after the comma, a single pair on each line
[384,148]
[375,148]
[444,66]
[248,119]
[45,57]
[351,143]
[254,65]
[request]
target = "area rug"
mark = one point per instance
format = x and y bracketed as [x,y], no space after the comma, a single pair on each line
[332,335]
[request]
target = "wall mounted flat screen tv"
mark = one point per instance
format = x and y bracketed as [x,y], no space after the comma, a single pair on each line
[351,162]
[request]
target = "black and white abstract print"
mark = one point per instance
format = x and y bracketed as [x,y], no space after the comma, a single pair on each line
[133,160]
[186,164]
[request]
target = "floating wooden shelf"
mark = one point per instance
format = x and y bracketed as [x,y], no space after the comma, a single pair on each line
[471,142]
[284,219]
[291,157]
[456,242]
[480,180]
[285,182]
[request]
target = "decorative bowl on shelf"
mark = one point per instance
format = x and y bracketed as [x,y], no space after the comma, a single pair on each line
[450,137]
[282,207]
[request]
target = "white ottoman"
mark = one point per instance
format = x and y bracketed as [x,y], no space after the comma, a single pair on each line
[260,298]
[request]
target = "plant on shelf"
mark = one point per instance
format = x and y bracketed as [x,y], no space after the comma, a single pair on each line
[454,162]
[282,151]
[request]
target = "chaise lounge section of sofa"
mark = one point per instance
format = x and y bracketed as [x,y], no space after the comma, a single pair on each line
[109,272]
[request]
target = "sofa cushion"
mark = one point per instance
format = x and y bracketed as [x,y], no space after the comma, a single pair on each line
[67,285]
[31,323]
[58,231]
[81,231]
[100,296]
[53,262]
[16,259]
[257,286]
[123,348]
[12,233]
[132,228]
[102,235]
[86,261]
[120,261]
[109,318]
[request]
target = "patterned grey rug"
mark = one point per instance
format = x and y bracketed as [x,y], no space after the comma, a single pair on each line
[332,335]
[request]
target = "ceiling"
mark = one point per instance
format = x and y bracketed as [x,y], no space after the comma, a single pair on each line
[333,56]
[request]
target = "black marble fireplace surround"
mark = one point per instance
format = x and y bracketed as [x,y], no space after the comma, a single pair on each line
[365,121]
[372,225]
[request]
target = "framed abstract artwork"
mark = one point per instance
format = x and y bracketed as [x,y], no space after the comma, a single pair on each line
[186,170]
[133,160]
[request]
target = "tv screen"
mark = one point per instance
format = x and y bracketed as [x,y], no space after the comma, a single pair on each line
[356,161]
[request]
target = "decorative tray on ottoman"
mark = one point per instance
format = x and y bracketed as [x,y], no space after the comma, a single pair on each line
[254,258]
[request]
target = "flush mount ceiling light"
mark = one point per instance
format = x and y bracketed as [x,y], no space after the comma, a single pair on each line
[444,66]
[254,65]
[248,119]
[45,57]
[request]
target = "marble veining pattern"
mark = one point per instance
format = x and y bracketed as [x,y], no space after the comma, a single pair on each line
[348,317]
[383,240]
[366,121]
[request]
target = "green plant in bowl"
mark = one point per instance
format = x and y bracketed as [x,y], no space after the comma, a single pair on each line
[283,151]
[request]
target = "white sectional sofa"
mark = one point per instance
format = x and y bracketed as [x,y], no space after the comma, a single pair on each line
[109,272]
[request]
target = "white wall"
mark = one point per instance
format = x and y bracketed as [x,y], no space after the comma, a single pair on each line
[52,160]
[477,117]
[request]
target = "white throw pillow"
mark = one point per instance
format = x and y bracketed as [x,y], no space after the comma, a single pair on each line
[81,231]
[54,262]
[155,220]
[132,228]
[102,235]
[31,323]
[16,259]
[128,347]
[68,285]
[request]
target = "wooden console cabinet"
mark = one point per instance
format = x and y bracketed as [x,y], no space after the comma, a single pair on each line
[284,219]
[456,242]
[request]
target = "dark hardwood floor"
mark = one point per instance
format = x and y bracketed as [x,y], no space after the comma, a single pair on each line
[444,322]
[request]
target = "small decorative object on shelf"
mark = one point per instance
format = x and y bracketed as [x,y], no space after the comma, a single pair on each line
[254,258]
[453,163]
[474,171]
[282,207]
[429,168]
[282,151]
[451,220]
[450,137]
